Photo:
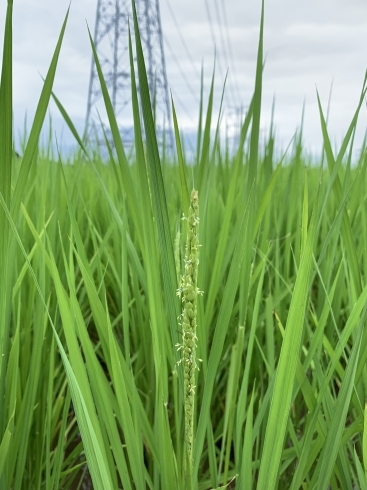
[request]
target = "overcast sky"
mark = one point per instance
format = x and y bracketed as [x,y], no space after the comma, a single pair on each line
[308,44]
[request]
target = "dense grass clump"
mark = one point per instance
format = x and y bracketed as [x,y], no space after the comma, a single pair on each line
[92,389]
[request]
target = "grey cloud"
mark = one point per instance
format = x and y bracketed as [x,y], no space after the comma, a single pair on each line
[307,44]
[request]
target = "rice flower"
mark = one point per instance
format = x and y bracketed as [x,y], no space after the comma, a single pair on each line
[189,291]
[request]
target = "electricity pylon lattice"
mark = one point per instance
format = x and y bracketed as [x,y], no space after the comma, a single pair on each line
[111,39]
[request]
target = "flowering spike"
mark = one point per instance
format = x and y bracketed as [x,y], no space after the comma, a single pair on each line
[189,291]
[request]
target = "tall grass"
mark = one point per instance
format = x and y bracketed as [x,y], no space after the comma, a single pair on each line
[91,387]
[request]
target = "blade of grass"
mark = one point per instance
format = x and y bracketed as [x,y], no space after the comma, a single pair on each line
[97,466]
[158,190]
[252,172]
[205,151]
[286,370]
[219,335]
[245,478]
[6,157]
[6,108]
[43,103]
[127,180]
[330,450]
[217,267]
[334,166]
[185,196]
[200,121]
[70,123]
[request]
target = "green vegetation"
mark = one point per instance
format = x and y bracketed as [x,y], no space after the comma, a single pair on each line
[91,256]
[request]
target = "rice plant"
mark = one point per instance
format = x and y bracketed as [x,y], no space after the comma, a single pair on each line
[92,254]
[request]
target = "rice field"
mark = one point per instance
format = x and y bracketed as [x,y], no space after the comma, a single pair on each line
[175,322]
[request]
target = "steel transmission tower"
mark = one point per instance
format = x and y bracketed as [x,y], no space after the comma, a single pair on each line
[111,37]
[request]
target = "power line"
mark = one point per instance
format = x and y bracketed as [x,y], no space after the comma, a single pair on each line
[233,97]
[183,74]
[182,38]
[229,44]
[224,44]
[183,106]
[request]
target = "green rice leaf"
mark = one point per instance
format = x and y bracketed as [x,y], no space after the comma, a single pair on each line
[185,196]
[30,150]
[158,190]
[286,370]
